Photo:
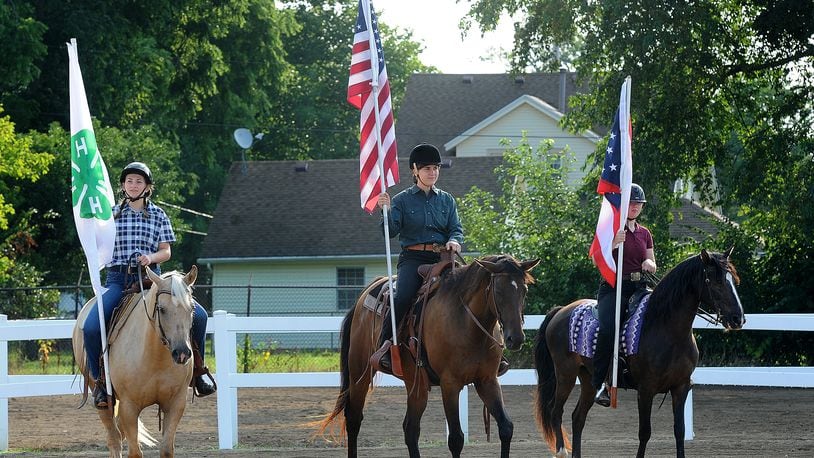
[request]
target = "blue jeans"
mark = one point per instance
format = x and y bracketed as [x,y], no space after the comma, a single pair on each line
[115,288]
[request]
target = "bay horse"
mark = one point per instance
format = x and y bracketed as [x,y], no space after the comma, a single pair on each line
[150,358]
[667,352]
[460,324]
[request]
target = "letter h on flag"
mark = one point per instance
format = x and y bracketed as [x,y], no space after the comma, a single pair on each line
[369,91]
[614,186]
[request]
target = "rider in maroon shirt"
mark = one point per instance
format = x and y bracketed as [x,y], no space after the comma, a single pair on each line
[638,257]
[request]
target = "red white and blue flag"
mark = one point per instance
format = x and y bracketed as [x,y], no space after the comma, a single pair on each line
[377,145]
[614,186]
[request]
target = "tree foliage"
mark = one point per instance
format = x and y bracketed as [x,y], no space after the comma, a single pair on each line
[718,86]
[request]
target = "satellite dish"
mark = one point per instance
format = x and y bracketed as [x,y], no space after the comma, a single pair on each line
[244,137]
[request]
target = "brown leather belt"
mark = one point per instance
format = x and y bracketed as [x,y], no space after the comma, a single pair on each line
[633,276]
[434,247]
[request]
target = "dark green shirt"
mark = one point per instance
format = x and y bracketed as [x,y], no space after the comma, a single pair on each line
[419,217]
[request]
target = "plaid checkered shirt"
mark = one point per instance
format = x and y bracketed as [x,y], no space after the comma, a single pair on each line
[137,234]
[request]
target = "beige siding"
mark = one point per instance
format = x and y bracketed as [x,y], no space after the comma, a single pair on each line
[538,127]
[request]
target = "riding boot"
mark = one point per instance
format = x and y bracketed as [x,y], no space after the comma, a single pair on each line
[603,396]
[100,395]
[381,357]
[503,366]
[199,385]
[202,387]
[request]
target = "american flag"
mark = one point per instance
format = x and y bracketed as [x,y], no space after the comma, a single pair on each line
[367,59]
[614,186]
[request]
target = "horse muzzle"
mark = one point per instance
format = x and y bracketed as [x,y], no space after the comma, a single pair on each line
[514,340]
[733,322]
[181,354]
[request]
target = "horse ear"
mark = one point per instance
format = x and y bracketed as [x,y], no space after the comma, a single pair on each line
[190,277]
[705,256]
[152,275]
[528,265]
[490,266]
[729,251]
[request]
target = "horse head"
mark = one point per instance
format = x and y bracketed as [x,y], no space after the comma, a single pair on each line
[507,293]
[719,293]
[172,311]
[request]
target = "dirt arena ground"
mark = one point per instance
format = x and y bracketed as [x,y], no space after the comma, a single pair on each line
[742,422]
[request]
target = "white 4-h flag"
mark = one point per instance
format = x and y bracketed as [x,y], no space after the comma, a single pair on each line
[92,196]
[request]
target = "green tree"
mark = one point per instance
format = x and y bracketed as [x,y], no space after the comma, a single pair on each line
[537,215]
[718,86]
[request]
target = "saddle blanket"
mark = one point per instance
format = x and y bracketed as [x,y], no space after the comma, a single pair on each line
[584,327]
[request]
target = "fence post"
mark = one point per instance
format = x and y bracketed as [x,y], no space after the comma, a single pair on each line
[3,381]
[225,366]
[689,434]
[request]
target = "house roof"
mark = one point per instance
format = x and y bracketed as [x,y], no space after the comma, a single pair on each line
[693,222]
[278,210]
[438,108]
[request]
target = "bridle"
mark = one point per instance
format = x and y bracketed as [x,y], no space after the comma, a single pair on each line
[155,317]
[493,308]
[703,314]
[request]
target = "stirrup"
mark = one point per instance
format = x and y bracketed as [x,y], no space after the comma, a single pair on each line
[99,396]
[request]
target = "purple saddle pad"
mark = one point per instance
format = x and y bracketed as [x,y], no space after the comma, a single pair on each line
[584,327]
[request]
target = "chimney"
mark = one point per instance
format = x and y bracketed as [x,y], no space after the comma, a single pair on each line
[301,167]
[519,79]
[563,74]
[468,79]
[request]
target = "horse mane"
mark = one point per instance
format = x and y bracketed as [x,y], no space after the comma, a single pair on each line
[468,277]
[178,287]
[671,290]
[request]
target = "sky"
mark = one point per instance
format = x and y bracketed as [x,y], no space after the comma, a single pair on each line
[435,24]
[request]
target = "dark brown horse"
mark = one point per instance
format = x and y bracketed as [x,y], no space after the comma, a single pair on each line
[667,351]
[460,324]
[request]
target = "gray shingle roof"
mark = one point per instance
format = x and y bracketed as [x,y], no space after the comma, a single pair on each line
[276,211]
[439,107]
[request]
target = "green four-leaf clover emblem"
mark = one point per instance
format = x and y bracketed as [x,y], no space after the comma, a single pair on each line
[89,188]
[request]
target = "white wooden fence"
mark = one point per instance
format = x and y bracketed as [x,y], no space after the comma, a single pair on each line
[225,327]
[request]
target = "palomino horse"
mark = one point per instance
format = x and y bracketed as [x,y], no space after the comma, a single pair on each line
[667,353]
[150,358]
[458,339]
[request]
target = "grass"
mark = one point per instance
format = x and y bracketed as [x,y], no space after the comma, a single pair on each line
[255,360]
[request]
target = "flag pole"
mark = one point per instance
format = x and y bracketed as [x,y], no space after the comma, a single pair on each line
[395,356]
[624,102]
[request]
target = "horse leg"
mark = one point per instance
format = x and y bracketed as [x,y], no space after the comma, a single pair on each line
[416,404]
[114,436]
[491,395]
[455,441]
[645,407]
[354,412]
[580,413]
[679,394]
[172,416]
[128,422]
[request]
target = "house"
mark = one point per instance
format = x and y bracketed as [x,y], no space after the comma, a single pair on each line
[295,231]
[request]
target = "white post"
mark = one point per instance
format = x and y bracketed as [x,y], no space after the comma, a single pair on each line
[3,381]
[226,365]
[688,426]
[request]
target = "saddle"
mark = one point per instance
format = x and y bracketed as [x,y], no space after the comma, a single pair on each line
[412,322]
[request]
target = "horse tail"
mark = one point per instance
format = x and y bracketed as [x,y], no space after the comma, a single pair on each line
[546,382]
[336,431]
[145,437]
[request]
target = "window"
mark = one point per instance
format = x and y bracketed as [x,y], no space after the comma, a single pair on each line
[349,276]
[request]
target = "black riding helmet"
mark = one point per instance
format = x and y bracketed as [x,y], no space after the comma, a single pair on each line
[637,193]
[424,154]
[139,168]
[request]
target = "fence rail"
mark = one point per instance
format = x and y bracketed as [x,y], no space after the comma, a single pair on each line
[225,328]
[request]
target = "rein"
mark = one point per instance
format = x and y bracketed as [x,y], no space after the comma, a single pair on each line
[494,308]
[703,314]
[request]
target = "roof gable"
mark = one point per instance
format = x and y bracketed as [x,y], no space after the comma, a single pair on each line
[535,103]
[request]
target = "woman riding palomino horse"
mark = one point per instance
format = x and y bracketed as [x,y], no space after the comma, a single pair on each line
[143,237]
[149,355]
[660,361]
[425,218]
[459,343]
